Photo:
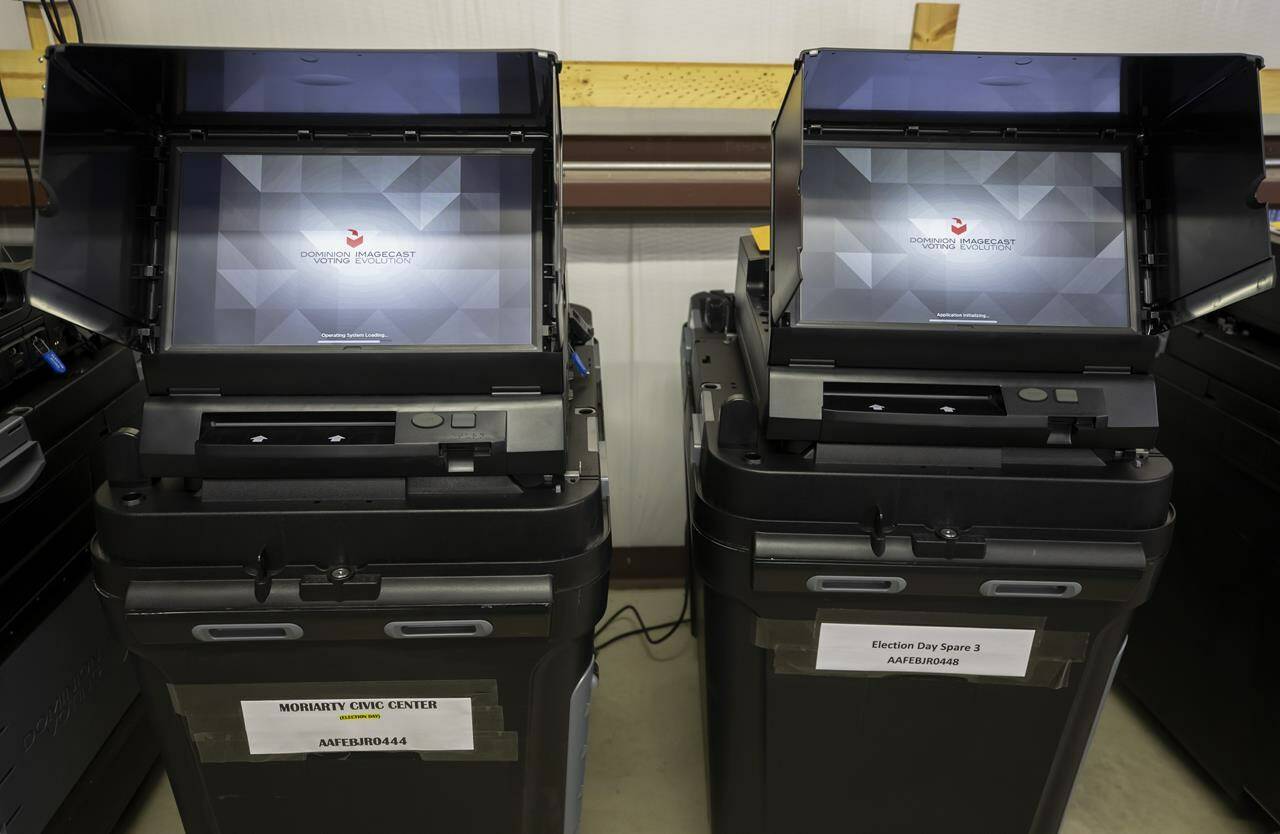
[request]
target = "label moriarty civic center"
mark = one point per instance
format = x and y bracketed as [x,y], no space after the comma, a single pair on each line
[358,724]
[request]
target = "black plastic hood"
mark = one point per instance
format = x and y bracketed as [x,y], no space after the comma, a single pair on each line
[1191,125]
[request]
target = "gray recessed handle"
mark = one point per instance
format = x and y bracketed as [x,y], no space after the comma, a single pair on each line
[857,584]
[416,629]
[232,632]
[21,458]
[1025,589]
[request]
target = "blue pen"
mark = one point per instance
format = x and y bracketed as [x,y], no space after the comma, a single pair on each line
[49,355]
[578,363]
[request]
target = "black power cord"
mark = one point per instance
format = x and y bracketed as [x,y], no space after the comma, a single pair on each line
[55,21]
[75,15]
[672,627]
[22,149]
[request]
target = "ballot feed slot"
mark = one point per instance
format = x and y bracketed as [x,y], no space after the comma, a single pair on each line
[880,398]
[352,444]
[299,428]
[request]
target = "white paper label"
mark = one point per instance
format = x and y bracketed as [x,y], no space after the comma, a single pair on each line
[929,650]
[358,724]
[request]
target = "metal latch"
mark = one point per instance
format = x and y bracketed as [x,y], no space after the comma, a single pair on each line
[1061,430]
[949,543]
[460,458]
[339,585]
[21,458]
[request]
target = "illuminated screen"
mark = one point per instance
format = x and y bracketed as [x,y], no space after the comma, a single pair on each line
[278,249]
[926,236]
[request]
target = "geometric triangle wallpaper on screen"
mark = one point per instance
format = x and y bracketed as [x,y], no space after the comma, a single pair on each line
[394,249]
[997,237]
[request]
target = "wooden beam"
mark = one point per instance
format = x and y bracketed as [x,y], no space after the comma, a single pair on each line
[673,85]
[22,70]
[934,28]
[1269,191]
[1271,91]
[13,189]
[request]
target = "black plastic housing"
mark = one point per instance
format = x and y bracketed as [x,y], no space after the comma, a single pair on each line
[787,536]
[76,748]
[340,560]
[1262,310]
[1199,656]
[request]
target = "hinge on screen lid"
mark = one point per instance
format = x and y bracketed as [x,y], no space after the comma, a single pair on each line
[193,134]
[516,135]
[145,340]
[150,274]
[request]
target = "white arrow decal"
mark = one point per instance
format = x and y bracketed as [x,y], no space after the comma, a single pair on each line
[258,438]
[337,438]
[946,409]
[876,407]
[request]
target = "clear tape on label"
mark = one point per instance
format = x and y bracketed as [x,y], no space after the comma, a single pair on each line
[364,725]
[794,644]
[215,717]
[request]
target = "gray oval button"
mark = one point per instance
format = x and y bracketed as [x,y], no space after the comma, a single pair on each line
[1033,395]
[427,420]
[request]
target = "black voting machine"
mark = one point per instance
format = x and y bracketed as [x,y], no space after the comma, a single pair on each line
[1200,654]
[925,497]
[75,744]
[358,542]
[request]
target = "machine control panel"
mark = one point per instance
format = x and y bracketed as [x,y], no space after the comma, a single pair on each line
[308,442]
[1092,411]
[427,420]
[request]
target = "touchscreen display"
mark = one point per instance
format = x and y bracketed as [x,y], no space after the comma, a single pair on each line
[279,249]
[926,236]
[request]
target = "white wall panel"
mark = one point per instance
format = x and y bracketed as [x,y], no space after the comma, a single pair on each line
[680,30]
[637,279]
[13,27]
[752,31]
[382,24]
[1121,26]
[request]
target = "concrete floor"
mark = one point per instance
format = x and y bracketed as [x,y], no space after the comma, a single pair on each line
[645,773]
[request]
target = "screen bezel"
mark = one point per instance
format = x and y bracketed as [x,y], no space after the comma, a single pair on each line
[1040,144]
[171,246]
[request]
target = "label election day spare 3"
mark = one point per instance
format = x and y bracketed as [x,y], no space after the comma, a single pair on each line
[359,724]
[930,650]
